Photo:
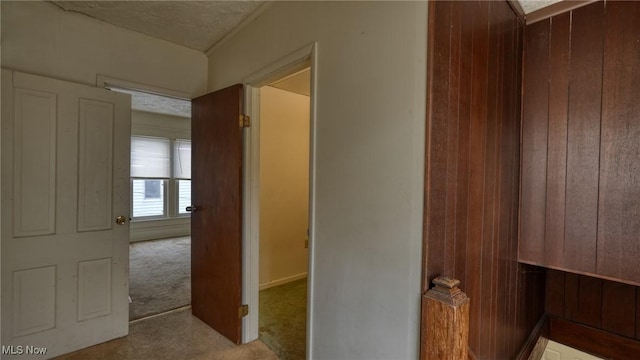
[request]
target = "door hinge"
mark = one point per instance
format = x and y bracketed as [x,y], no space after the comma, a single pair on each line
[245,120]
[243,310]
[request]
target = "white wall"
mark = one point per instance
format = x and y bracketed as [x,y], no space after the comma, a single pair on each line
[369,159]
[284,185]
[40,38]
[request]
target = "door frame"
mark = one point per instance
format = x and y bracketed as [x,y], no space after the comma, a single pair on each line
[305,57]
[106,82]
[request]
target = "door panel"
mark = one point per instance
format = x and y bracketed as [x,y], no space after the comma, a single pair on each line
[65,177]
[35,134]
[216,225]
[95,165]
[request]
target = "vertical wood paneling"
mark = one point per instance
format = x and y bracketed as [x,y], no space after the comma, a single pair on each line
[585,81]
[554,290]
[452,140]
[473,160]
[506,142]
[534,140]
[477,156]
[571,295]
[487,310]
[638,313]
[557,139]
[592,147]
[589,301]
[619,201]
[607,305]
[462,190]
[515,338]
[437,156]
[619,308]
[477,148]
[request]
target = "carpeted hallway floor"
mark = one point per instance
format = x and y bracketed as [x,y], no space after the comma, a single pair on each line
[174,335]
[283,319]
[159,276]
[160,273]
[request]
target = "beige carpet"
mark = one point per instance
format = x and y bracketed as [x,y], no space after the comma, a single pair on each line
[159,276]
[283,319]
[174,335]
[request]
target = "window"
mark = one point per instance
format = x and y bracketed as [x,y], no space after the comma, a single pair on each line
[160,177]
[184,196]
[182,172]
[152,189]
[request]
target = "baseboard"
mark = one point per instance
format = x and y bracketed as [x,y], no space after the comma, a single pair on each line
[283,281]
[536,343]
[150,230]
[591,340]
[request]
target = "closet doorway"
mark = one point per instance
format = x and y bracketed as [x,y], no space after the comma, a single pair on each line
[284,214]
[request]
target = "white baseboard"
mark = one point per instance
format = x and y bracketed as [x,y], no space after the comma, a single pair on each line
[159,229]
[283,281]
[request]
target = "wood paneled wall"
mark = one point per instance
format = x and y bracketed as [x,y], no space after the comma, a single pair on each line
[606,305]
[472,176]
[580,204]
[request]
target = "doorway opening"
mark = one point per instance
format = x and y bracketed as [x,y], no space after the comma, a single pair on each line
[160,191]
[284,213]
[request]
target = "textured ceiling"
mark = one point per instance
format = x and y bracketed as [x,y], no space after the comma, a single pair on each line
[142,101]
[195,24]
[529,6]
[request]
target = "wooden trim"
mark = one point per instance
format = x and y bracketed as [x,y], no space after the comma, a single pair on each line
[592,340]
[104,81]
[517,9]
[585,273]
[431,21]
[536,343]
[555,9]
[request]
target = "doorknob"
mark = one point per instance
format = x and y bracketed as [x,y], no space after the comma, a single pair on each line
[120,220]
[193,208]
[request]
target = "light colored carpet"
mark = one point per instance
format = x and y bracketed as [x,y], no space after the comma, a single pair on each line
[283,319]
[174,335]
[159,276]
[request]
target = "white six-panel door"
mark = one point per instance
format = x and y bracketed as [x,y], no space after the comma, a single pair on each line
[64,180]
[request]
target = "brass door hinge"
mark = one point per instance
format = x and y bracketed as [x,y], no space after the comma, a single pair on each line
[243,310]
[245,121]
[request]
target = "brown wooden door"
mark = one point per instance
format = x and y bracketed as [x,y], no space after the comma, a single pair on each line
[216,225]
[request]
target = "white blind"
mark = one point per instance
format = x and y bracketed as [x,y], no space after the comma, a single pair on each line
[182,159]
[150,157]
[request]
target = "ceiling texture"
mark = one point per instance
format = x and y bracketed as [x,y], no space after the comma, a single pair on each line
[198,25]
[195,24]
[529,6]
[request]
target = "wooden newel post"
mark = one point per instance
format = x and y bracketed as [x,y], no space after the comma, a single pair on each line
[445,321]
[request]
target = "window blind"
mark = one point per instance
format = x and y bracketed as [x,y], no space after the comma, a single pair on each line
[182,159]
[150,157]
